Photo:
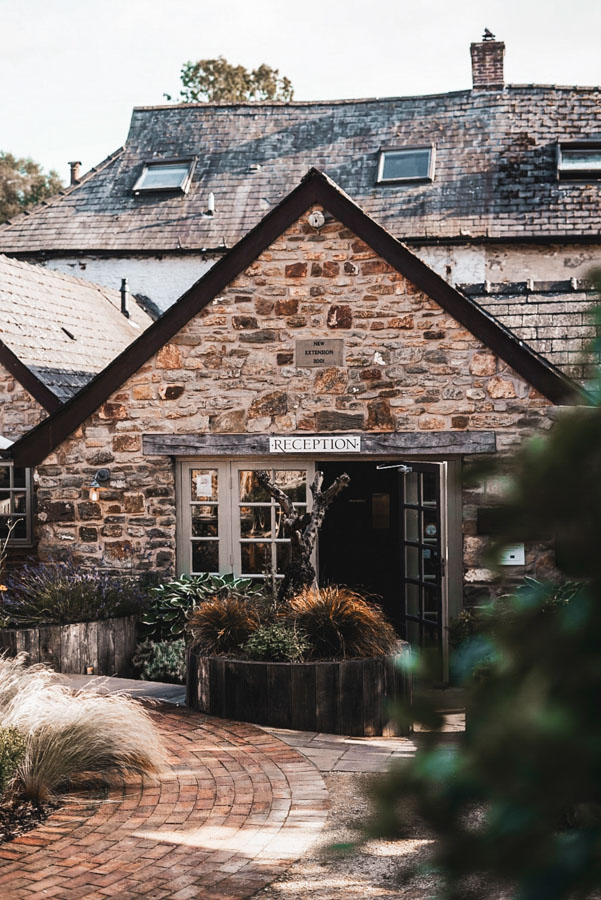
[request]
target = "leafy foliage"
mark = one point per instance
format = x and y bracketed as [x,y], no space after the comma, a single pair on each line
[23,184]
[520,801]
[161,661]
[218,81]
[341,624]
[62,592]
[12,750]
[280,642]
[223,624]
[171,603]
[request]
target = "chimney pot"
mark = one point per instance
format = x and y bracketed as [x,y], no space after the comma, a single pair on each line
[487,63]
[75,167]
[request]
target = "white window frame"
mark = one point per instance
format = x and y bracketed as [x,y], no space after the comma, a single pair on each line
[581,174]
[411,149]
[27,488]
[182,187]
[229,537]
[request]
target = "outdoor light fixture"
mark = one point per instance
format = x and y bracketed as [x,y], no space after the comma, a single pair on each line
[101,476]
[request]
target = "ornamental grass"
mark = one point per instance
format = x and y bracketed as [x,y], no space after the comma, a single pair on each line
[341,624]
[68,734]
[223,624]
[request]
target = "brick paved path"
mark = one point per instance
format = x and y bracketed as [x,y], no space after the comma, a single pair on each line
[232,813]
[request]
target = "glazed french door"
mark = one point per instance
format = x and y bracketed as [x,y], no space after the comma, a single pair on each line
[229,523]
[424,556]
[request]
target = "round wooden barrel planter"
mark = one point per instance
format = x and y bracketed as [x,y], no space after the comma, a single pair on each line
[94,648]
[351,696]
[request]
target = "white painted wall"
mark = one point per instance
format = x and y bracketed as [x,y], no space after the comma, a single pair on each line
[163,279]
[166,278]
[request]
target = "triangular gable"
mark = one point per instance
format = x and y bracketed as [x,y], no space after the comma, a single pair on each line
[316,188]
[28,379]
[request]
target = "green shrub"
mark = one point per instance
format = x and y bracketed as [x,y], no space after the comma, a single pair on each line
[63,592]
[280,642]
[12,750]
[171,603]
[341,624]
[223,624]
[161,661]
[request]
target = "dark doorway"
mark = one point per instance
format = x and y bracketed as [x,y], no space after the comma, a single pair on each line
[382,536]
[360,541]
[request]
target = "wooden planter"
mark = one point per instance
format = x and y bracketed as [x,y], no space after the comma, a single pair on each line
[106,646]
[341,697]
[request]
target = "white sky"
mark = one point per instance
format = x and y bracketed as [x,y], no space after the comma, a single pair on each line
[72,71]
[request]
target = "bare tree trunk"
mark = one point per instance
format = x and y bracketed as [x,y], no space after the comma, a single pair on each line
[302,529]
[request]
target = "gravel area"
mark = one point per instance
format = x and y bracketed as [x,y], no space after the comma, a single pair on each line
[373,870]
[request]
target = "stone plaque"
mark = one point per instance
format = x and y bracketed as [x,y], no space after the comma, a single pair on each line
[326,352]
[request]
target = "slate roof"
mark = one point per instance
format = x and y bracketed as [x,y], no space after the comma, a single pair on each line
[495,171]
[315,187]
[62,329]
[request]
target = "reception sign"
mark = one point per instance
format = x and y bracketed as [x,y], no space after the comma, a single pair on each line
[337,443]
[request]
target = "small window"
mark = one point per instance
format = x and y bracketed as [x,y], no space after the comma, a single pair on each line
[579,160]
[408,164]
[15,503]
[172,175]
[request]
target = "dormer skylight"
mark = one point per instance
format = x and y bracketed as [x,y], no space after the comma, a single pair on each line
[165,175]
[406,164]
[579,160]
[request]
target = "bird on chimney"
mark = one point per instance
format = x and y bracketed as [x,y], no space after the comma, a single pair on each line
[488,35]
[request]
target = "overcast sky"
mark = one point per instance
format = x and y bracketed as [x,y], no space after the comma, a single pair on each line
[72,71]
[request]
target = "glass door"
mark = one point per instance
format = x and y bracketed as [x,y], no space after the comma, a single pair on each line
[423,554]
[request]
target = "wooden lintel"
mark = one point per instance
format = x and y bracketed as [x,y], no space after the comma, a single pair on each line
[420,443]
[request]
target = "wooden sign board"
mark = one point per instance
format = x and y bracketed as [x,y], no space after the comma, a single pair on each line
[313,353]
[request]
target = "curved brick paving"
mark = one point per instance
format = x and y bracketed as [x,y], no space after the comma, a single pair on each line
[234,810]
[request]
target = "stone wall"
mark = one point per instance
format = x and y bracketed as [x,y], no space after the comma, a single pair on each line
[19,411]
[409,367]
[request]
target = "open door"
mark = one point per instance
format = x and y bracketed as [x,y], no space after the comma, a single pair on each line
[424,557]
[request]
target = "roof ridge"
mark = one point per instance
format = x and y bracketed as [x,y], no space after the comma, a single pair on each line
[64,192]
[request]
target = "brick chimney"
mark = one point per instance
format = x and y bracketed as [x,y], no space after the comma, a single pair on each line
[487,63]
[75,167]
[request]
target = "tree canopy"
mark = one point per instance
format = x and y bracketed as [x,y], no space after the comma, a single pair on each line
[23,183]
[218,81]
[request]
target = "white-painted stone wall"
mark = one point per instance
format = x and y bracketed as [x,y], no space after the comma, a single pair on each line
[165,278]
[162,279]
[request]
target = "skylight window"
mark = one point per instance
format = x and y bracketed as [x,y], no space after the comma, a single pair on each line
[579,160]
[407,164]
[167,175]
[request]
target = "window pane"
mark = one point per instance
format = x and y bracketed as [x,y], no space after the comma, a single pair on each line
[205,556]
[5,476]
[406,164]
[430,558]
[411,562]
[250,489]
[411,524]
[19,502]
[168,176]
[4,503]
[203,484]
[255,521]
[429,488]
[294,483]
[20,532]
[204,521]
[581,159]
[256,558]
[411,495]
[430,527]
[18,477]
[282,557]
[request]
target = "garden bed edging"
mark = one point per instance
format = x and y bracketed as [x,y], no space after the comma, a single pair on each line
[107,645]
[351,696]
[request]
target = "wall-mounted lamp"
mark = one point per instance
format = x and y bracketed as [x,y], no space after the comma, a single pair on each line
[101,476]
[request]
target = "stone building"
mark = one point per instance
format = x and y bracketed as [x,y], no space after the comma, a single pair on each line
[495,187]
[318,342]
[56,333]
